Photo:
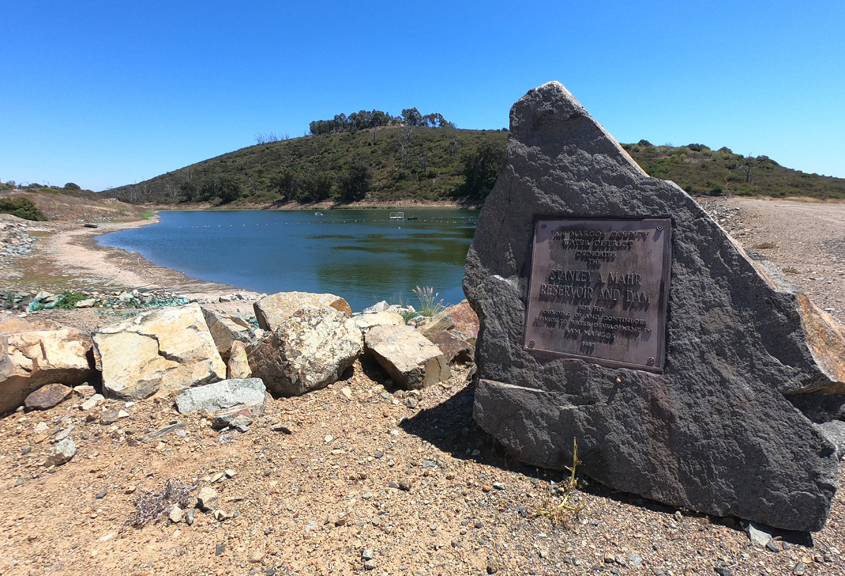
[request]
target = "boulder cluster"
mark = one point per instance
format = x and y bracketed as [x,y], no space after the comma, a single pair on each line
[205,360]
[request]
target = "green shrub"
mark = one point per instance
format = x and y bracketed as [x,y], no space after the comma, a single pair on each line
[22,208]
[68,300]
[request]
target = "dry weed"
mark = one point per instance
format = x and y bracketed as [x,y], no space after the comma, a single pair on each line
[561,513]
[151,506]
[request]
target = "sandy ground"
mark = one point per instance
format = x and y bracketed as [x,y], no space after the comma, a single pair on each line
[805,240]
[408,479]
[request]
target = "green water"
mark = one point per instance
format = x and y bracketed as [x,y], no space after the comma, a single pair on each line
[361,255]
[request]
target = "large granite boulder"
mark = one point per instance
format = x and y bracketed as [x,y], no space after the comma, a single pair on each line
[162,351]
[33,354]
[272,310]
[708,425]
[369,320]
[225,330]
[409,357]
[309,350]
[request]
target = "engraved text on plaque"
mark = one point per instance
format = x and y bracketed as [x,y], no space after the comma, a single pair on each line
[599,289]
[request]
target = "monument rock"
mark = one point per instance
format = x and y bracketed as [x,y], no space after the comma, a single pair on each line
[613,310]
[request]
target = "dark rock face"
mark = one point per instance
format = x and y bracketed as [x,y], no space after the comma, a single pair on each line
[714,432]
[47,396]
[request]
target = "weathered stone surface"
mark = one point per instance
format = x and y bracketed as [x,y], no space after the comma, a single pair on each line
[36,353]
[309,350]
[272,310]
[226,329]
[62,453]
[368,320]
[431,327]
[165,350]
[221,395]
[466,320]
[834,431]
[455,349]
[377,307]
[410,359]
[238,365]
[207,498]
[223,418]
[92,402]
[47,396]
[715,431]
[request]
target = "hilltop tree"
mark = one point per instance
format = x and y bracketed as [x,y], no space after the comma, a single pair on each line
[411,117]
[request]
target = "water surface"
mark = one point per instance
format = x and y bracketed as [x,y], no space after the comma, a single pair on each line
[361,255]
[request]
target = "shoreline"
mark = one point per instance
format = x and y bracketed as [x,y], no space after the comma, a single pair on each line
[293,206]
[69,258]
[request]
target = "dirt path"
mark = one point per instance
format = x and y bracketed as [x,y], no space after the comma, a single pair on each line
[804,239]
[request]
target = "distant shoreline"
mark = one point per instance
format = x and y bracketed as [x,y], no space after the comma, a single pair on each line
[293,206]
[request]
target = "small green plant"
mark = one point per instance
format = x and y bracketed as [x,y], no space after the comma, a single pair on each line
[146,214]
[68,300]
[429,305]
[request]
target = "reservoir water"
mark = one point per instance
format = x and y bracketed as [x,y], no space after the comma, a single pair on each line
[361,255]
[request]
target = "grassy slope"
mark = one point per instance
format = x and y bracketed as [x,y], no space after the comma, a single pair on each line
[699,170]
[419,163]
[77,206]
[426,164]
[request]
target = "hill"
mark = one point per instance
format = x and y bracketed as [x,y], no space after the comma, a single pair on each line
[392,163]
[700,170]
[381,164]
[72,206]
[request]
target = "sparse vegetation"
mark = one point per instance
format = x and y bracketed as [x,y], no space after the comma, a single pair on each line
[561,513]
[383,164]
[152,506]
[429,304]
[380,158]
[68,300]
[765,246]
[700,170]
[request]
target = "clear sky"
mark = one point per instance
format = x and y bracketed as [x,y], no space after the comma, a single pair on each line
[110,93]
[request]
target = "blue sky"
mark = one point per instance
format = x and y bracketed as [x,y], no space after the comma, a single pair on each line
[110,93]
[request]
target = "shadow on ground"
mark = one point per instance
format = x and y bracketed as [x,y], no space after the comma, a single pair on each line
[450,427]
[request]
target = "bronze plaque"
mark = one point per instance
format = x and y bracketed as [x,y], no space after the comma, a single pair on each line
[598,290]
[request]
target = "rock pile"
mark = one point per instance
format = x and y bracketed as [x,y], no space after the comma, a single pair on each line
[311,340]
[110,299]
[15,241]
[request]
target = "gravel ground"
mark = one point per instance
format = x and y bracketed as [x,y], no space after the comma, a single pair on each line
[405,478]
[377,481]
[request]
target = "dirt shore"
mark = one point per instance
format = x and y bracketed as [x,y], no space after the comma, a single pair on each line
[371,480]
